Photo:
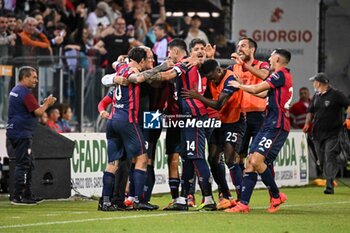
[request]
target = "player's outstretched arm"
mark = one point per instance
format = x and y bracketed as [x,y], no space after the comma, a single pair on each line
[257,72]
[112,79]
[102,106]
[261,95]
[152,74]
[215,104]
[107,80]
[253,89]
[190,62]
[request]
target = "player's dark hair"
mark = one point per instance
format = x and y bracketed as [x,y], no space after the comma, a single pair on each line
[208,66]
[284,53]
[25,71]
[196,41]
[137,54]
[178,43]
[252,43]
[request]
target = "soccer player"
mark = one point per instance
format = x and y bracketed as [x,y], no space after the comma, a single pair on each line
[198,53]
[197,58]
[274,132]
[124,133]
[157,94]
[192,138]
[172,141]
[250,71]
[150,98]
[121,175]
[227,100]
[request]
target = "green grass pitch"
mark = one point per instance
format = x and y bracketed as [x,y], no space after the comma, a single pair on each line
[306,210]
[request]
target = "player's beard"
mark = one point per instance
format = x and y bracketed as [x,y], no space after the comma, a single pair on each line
[201,60]
[246,58]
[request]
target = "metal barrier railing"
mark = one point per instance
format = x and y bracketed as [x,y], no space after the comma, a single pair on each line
[69,79]
[70,83]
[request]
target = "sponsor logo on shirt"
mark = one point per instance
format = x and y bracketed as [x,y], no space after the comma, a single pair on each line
[119,106]
[13,94]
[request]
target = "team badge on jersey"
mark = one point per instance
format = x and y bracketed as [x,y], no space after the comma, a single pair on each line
[327,103]
[152,120]
[275,76]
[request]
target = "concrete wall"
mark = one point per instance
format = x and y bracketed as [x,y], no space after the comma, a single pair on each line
[337,47]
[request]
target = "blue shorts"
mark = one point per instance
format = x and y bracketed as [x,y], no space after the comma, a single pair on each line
[269,142]
[233,133]
[193,141]
[254,122]
[209,132]
[172,141]
[216,137]
[124,137]
[229,133]
[151,138]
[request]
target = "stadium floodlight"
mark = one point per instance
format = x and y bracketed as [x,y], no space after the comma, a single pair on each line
[178,14]
[203,14]
[215,14]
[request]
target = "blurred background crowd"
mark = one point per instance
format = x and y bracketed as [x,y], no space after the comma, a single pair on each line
[64,37]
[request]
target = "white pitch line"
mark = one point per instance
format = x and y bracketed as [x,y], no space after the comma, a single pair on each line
[92,220]
[50,215]
[65,212]
[150,215]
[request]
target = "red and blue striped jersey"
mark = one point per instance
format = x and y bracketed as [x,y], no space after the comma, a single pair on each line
[172,106]
[279,97]
[189,79]
[126,99]
[107,100]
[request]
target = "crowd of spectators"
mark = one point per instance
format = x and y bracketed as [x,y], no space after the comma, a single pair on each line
[88,34]
[57,118]
[82,28]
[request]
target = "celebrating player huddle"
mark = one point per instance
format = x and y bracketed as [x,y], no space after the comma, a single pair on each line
[250,99]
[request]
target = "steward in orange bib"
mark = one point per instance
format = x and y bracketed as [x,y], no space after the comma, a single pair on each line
[250,71]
